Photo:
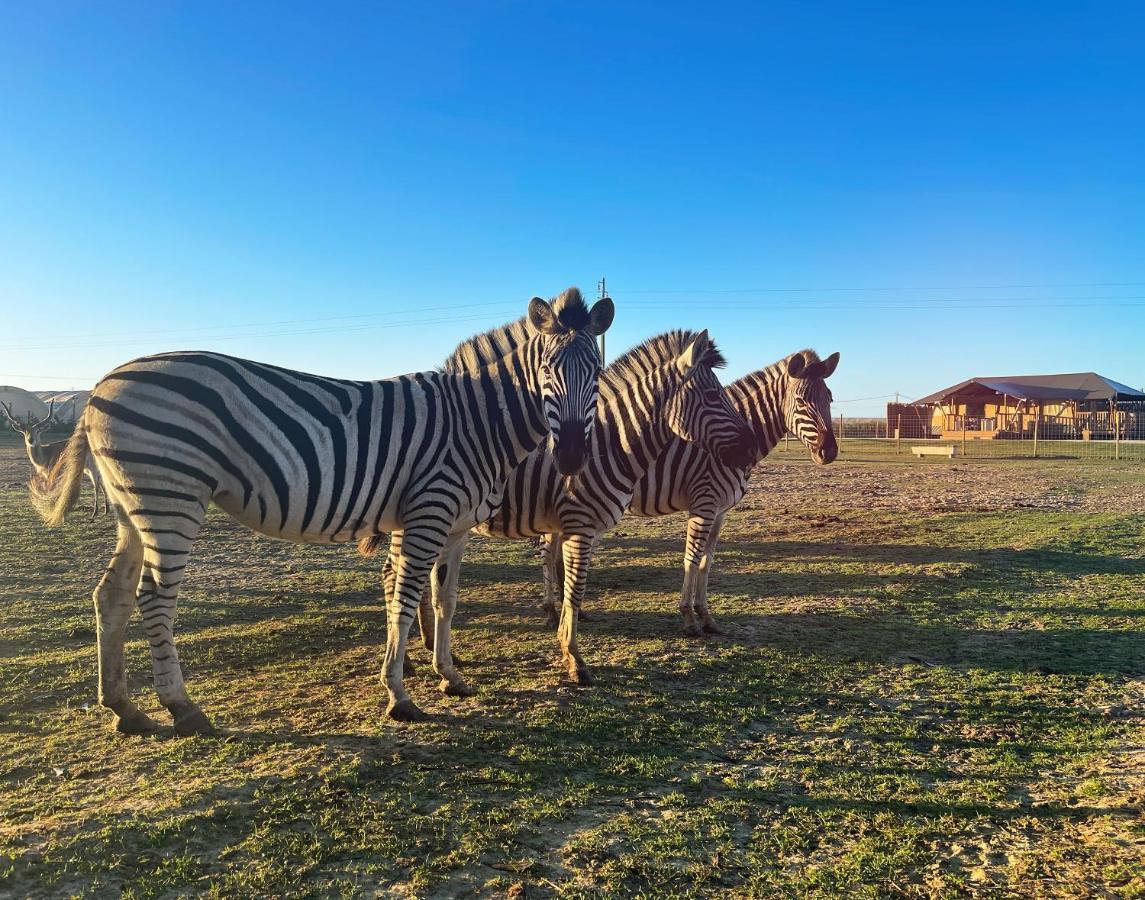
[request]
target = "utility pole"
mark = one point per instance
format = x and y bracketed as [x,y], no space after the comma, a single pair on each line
[601,293]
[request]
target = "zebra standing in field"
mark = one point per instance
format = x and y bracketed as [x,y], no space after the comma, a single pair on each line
[316,460]
[662,389]
[790,395]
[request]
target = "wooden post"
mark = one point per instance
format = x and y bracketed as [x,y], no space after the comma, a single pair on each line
[839,442]
[964,432]
[1116,430]
[1037,422]
[898,435]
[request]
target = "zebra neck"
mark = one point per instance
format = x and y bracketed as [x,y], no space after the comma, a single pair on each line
[761,398]
[631,422]
[513,409]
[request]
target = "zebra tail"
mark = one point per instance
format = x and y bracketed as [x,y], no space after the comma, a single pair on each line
[56,491]
[369,546]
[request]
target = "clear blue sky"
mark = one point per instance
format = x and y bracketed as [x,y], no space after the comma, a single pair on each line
[209,175]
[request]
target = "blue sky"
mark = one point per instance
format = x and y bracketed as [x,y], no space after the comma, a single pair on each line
[935,190]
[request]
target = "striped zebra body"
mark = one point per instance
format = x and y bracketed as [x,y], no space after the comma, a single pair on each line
[790,395]
[315,460]
[663,389]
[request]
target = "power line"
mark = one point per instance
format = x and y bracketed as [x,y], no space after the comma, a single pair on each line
[824,290]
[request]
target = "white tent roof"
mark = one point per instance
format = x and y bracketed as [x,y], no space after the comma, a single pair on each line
[24,404]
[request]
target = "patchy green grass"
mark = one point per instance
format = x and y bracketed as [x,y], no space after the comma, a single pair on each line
[927,703]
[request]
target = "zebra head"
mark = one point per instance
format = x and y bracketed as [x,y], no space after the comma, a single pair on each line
[569,368]
[698,411]
[808,407]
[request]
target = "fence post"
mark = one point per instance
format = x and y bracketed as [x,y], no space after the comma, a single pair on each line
[1037,421]
[898,434]
[1116,431]
[964,436]
[840,441]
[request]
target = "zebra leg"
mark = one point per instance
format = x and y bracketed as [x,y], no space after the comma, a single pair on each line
[444,581]
[577,555]
[695,545]
[164,562]
[95,496]
[552,573]
[114,599]
[414,551]
[408,665]
[700,597]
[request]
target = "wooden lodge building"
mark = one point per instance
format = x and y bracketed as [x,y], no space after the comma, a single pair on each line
[1079,406]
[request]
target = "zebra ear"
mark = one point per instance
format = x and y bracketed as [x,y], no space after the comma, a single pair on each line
[693,354]
[600,316]
[830,363]
[542,317]
[796,365]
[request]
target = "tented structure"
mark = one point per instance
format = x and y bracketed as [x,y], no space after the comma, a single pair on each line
[25,406]
[68,405]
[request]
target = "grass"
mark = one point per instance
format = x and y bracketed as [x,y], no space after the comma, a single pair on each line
[934,703]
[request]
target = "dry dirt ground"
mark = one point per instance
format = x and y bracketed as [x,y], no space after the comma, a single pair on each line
[931,685]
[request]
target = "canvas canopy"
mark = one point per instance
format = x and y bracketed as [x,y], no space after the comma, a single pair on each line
[1079,387]
[24,404]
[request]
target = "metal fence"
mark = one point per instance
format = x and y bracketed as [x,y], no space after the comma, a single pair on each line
[1116,436]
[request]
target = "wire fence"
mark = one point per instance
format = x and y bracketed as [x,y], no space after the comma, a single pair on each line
[1116,435]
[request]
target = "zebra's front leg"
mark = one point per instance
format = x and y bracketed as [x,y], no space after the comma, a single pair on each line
[413,551]
[695,545]
[577,556]
[700,597]
[446,572]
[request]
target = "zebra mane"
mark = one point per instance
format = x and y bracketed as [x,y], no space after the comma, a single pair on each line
[779,367]
[655,352]
[481,350]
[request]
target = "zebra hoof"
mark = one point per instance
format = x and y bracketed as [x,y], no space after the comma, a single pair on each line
[406,711]
[712,628]
[194,721]
[135,722]
[581,675]
[456,688]
[693,630]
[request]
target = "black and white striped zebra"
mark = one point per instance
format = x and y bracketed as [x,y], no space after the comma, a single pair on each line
[318,460]
[661,389]
[791,394]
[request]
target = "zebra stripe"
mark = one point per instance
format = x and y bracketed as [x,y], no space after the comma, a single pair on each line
[662,389]
[788,395]
[316,460]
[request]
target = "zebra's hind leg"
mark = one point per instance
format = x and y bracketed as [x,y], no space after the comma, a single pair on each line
[413,550]
[444,583]
[700,597]
[114,599]
[577,555]
[171,534]
[552,573]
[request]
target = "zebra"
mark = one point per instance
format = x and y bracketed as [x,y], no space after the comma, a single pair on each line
[661,389]
[316,460]
[789,395]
